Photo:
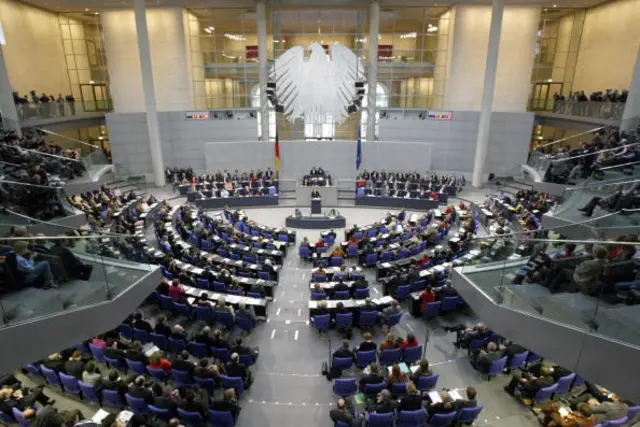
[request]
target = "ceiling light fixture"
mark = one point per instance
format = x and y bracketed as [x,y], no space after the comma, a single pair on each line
[236,37]
[432,29]
[411,35]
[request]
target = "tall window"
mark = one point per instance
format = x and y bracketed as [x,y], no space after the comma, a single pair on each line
[325,128]
[255,103]
[382,101]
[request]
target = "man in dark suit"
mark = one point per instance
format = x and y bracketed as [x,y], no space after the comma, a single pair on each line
[135,353]
[162,327]
[204,337]
[530,384]
[384,404]
[218,341]
[340,286]
[140,323]
[164,400]
[138,390]
[241,348]
[178,333]
[182,363]
[206,370]
[75,365]
[373,377]
[112,351]
[228,403]
[236,369]
[115,383]
[193,403]
[344,351]
[72,265]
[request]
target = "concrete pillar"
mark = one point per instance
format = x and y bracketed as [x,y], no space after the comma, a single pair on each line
[487,93]
[372,78]
[149,92]
[7,106]
[632,106]
[263,68]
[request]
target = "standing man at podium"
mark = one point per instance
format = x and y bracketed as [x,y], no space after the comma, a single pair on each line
[316,202]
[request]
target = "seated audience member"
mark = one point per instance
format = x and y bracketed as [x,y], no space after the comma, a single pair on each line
[588,274]
[409,342]
[22,398]
[464,336]
[218,341]
[344,351]
[192,403]
[583,417]
[138,389]
[243,312]
[530,384]
[223,306]
[412,401]
[241,348]
[383,404]
[205,369]
[182,363]
[236,369]
[140,323]
[367,344]
[162,327]
[396,376]
[609,410]
[156,361]
[204,336]
[135,353]
[73,267]
[445,407]
[337,252]
[389,343]
[343,412]
[422,371]
[373,377]
[178,333]
[228,403]
[469,402]
[484,359]
[113,350]
[427,296]
[394,308]
[176,292]
[164,400]
[75,365]
[91,374]
[115,383]
[34,273]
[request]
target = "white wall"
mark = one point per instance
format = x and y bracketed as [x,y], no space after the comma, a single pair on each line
[34,54]
[468,58]
[609,46]
[170,59]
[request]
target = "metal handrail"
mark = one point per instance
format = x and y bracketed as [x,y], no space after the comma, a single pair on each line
[573,136]
[620,166]
[591,242]
[48,132]
[26,184]
[594,153]
[601,185]
[49,155]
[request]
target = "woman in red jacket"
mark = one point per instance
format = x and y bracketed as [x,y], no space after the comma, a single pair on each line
[156,361]
[409,342]
[426,297]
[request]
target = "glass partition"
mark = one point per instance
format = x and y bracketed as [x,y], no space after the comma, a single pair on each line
[35,201]
[552,282]
[51,274]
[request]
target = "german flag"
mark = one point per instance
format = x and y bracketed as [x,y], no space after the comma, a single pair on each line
[277,148]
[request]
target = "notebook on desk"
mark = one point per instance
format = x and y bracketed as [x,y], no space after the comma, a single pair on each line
[149,349]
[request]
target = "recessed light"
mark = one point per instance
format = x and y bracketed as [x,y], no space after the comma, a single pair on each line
[555,5]
[86,10]
[96,13]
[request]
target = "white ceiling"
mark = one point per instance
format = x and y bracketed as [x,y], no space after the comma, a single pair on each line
[82,5]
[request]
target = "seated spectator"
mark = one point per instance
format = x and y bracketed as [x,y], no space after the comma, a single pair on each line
[343,412]
[156,361]
[344,351]
[469,402]
[138,389]
[115,383]
[228,403]
[33,273]
[396,376]
[91,375]
[182,363]
[243,312]
[484,359]
[206,369]
[204,337]
[135,353]
[445,407]
[241,348]
[412,401]
[218,341]
[373,377]
[583,417]
[162,327]
[236,369]
[75,365]
[422,371]
[140,323]
[427,296]
[389,343]
[176,292]
[222,306]
[588,274]
[73,267]
[337,252]
[178,333]
[192,403]
[464,336]
[164,400]
[383,404]
[409,342]
[367,344]
[613,409]
[529,383]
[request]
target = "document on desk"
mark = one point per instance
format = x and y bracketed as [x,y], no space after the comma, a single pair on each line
[99,416]
[385,265]
[435,397]
[149,349]
[191,300]
[455,395]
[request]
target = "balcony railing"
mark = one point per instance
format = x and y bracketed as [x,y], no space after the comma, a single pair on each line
[598,109]
[30,111]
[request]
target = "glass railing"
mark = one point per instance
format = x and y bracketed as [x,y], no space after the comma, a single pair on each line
[129,179]
[34,201]
[543,283]
[599,109]
[30,111]
[47,275]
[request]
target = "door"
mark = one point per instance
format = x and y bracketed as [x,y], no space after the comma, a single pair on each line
[95,97]
[542,96]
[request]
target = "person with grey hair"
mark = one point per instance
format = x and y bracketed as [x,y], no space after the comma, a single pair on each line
[588,274]
[344,412]
[484,359]
[383,404]
[236,369]
[204,337]
[244,312]
[222,306]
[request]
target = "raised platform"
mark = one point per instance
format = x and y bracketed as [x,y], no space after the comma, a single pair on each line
[315,222]
[400,202]
[219,203]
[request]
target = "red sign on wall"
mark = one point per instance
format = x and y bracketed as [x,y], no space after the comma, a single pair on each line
[251,53]
[385,52]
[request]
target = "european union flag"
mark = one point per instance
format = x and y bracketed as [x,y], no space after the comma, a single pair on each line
[359,151]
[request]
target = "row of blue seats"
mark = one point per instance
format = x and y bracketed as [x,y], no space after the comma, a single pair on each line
[216,286]
[437,308]
[112,399]
[360,293]
[387,357]
[419,418]
[345,320]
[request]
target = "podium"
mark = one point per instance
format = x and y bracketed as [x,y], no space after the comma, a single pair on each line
[316,206]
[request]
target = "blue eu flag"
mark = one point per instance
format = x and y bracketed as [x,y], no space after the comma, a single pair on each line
[359,151]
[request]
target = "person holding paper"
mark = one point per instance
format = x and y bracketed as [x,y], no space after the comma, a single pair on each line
[412,401]
[468,402]
[396,376]
[443,407]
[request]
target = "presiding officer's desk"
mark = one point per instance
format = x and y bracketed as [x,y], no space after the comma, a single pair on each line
[380,303]
[329,195]
[259,305]
[221,202]
[401,202]
[315,222]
